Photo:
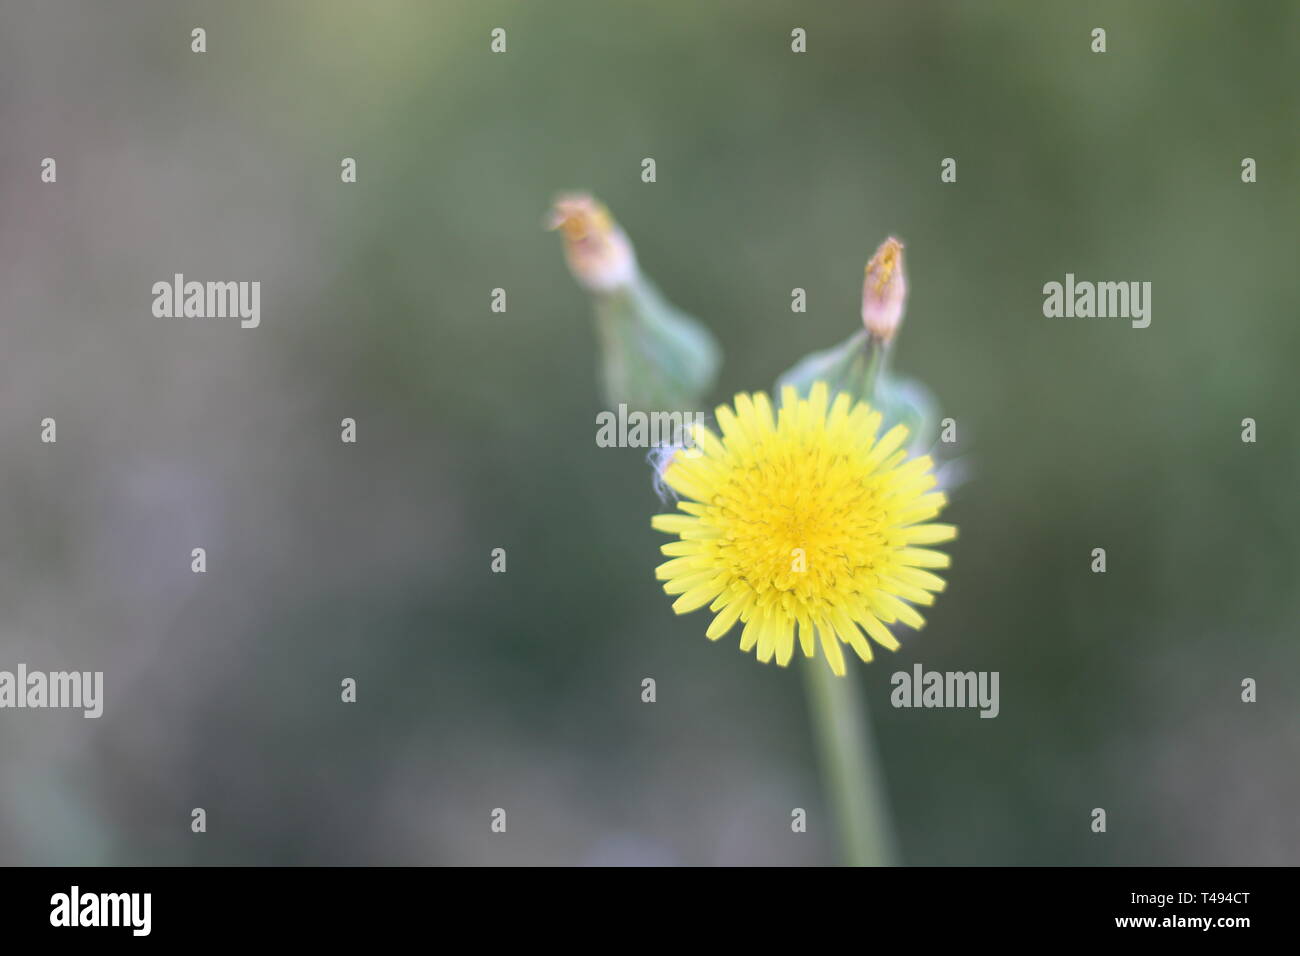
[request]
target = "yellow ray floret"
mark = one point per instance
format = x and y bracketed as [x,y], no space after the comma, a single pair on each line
[803,523]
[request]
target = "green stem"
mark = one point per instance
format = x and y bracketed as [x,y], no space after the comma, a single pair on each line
[849,766]
[868,368]
[841,723]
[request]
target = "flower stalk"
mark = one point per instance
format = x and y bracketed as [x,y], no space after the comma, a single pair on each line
[841,722]
[778,490]
[846,749]
[850,768]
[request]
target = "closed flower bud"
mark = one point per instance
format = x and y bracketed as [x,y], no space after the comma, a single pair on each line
[653,356]
[599,253]
[884,291]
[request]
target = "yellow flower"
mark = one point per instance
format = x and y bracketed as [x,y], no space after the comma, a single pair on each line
[804,521]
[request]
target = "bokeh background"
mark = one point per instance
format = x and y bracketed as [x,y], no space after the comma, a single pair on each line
[476,430]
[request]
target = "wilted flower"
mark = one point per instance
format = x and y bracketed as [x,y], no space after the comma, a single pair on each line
[804,520]
[884,291]
[599,253]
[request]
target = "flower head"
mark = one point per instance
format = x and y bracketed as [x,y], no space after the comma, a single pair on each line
[884,290]
[804,521]
[599,253]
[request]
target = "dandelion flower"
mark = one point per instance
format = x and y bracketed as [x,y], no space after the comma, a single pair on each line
[804,522]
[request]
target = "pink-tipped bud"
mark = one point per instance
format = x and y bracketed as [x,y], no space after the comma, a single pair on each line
[599,253]
[884,292]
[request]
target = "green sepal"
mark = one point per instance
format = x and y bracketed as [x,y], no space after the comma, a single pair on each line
[654,357]
[847,367]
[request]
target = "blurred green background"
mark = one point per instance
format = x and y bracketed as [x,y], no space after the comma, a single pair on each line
[476,430]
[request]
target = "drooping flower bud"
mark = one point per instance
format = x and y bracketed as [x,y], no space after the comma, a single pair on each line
[884,291]
[599,253]
[653,356]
